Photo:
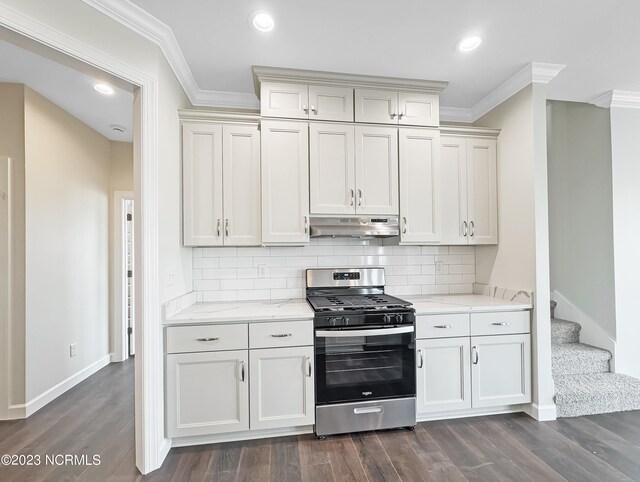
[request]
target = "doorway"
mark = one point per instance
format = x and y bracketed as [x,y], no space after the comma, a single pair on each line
[123,280]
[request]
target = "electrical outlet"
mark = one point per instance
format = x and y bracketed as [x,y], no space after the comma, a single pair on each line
[171,278]
[73,350]
[439,267]
[263,271]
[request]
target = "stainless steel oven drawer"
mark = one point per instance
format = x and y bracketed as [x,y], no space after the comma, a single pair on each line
[363,416]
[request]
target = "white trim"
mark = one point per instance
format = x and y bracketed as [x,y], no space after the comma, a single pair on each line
[455,114]
[118,307]
[240,436]
[591,332]
[532,73]
[5,296]
[472,412]
[618,98]
[545,413]
[219,98]
[36,403]
[149,417]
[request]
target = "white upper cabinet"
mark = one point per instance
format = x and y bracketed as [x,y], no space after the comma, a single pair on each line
[300,101]
[285,182]
[221,184]
[420,186]
[469,186]
[376,170]
[241,185]
[392,107]
[202,184]
[332,168]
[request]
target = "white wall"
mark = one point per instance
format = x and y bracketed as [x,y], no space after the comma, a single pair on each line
[580,209]
[625,155]
[231,274]
[521,259]
[67,256]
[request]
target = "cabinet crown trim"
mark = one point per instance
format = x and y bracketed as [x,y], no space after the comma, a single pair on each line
[219,115]
[468,131]
[316,77]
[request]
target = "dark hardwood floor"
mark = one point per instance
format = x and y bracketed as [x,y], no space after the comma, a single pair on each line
[96,417]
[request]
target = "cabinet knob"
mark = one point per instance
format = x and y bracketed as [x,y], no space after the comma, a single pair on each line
[393,115]
[305,108]
[314,109]
[400,115]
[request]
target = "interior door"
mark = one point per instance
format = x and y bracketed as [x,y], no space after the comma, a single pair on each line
[482,188]
[376,170]
[455,227]
[332,169]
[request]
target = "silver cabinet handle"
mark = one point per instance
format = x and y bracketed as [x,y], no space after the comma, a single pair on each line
[404,223]
[218,228]
[446,327]
[242,371]
[421,359]
[359,197]
[305,108]
[472,227]
[465,231]
[353,197]
[308,360]
[215,338]
[393,115]
[374,409]
[401,115]
[226,227]
[475,354]
[281,335]
[314,109]
[502,323]
[306,225]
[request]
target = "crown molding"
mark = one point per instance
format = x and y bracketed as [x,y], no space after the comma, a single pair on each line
[462,130]
[532,73]
[455,114]
[220,115]
[618,98]
[216,98]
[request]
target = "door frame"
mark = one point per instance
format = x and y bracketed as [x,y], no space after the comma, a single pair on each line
[5,295]
[118,299]
[151,446]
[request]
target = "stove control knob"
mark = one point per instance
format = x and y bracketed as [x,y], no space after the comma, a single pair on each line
[333,321]
[386,318]
[344,320]
[398,318]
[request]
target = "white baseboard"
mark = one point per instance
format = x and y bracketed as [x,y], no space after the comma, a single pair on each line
[471,412]
[35,404]
[591,332]
[545,413]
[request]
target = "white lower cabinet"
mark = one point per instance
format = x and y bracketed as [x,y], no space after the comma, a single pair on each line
[444,374]
[208,393]
[501,370]
[282,384]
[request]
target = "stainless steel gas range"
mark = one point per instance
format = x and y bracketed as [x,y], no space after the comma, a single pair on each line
[364,352]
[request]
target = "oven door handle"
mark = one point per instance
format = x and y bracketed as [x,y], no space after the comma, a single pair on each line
[359,333]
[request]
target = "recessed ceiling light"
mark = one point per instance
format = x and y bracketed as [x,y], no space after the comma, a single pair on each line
[263,21]
[469,43]
[105,89]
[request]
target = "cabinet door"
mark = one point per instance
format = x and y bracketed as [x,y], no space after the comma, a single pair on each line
[332,169]
[444,375]
[202,184]
[285,182]
[418,109]
[284,100]
[282,384]
[376,106]
[207,393]
[482,188]
[376,170]
[241,185]
[500,370]
[455,227]
[419,185]
[330,103]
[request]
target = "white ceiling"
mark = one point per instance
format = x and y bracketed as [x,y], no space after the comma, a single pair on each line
[596,39]
[68,85]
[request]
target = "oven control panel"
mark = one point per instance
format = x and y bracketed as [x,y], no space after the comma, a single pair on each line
[346,276]
[339,320]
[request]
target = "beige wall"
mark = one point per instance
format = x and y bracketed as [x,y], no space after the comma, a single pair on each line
[67,257]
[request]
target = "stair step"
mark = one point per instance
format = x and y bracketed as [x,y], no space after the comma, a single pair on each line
[563,331]
[578,358]
[595,393]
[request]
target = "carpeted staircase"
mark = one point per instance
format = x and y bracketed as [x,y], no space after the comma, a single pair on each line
[583,382]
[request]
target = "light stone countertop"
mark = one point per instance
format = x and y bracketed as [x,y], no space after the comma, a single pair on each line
[299,309]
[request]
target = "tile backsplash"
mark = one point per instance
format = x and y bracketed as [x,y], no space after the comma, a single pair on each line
[231,274]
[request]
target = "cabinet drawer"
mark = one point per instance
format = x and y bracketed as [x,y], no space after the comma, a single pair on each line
[183,339]
[281,333]
[442,326]
[500,323]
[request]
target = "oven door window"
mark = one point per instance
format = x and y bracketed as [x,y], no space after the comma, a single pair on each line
[355,368]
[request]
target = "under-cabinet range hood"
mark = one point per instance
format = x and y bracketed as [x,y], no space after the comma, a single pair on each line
[354,226]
